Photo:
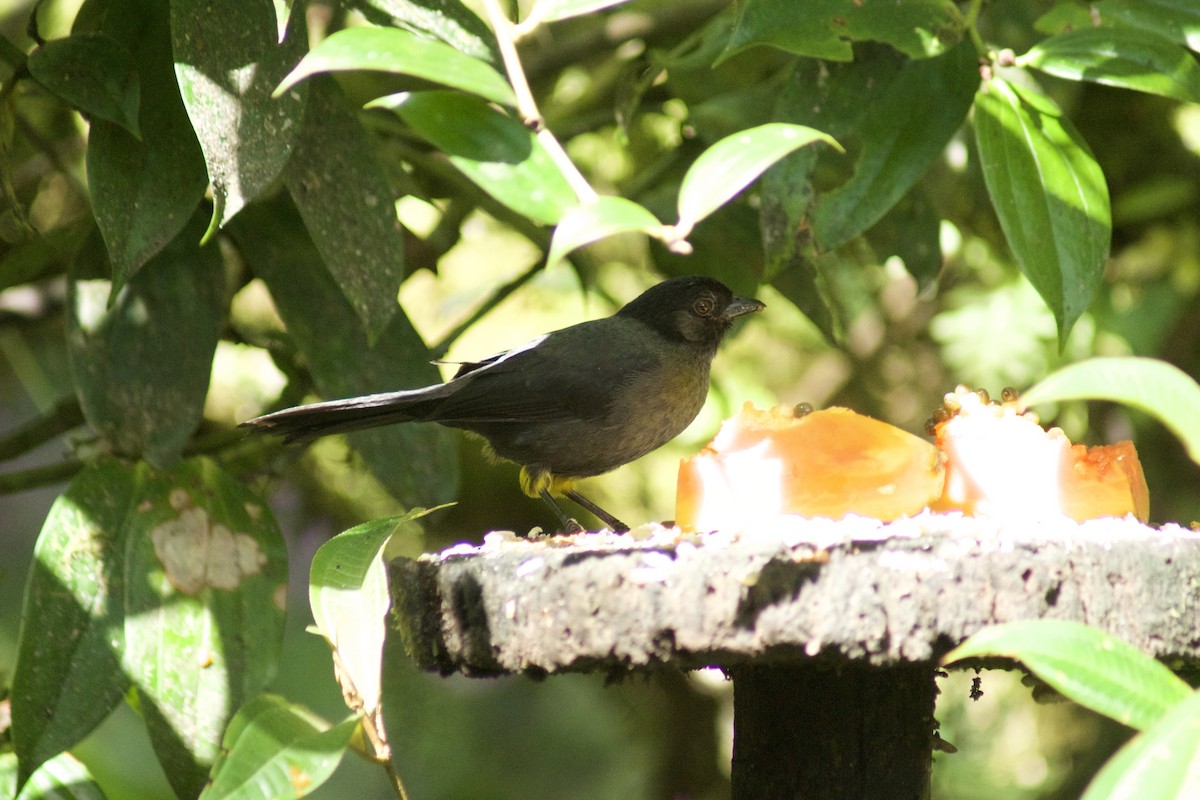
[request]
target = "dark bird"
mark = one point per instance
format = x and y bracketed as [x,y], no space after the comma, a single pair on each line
[570,404]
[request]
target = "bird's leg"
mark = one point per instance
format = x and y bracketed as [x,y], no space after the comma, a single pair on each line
[568,525]
[609,519]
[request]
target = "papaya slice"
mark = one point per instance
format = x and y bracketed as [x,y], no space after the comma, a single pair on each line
[827,463]
[1000,461]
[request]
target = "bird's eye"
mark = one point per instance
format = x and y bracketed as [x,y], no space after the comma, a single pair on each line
[704,306]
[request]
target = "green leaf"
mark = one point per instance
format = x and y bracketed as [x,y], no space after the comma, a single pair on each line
[228,62]
[1121,57]
[449,21]
[1163,762]
[206,583]
[1162,390]
[402,53]
[342,191]
[349,597]
[733,163]
[554,10]
[64,685]
[143,192]
[1177,20]
[142,357]
[273,242]
[904,130]
[61,778]
[92,73]
[1049,194]
[912,231]
[498,153]
[827,28]
[1085,664]
[273,748]
[605,216]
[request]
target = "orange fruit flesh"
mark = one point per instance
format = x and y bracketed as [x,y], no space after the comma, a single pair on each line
[1001,462]
[828,463]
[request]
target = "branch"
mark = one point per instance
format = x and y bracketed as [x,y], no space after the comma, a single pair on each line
[62,418]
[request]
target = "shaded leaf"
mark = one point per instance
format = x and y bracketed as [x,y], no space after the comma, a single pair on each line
[206,575]
[1091,667]
[905,129]
[92,73]
[144,191]
[273,748]
[827,28]
[1162,390]
[498,153]
[402,53]
[277,249]
[733,163]
[911,230]
[342,192]
[603,217]
[64,685]
[349,597]
[1163,762]
[449,21]
[228,62]
[1121,57]
[142,357]
[1049,194]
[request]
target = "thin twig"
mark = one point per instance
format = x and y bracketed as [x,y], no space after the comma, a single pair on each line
[440,349]
[38,477]
[62,418]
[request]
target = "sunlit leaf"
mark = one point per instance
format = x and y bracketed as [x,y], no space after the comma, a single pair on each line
[733,163]
[498,153]
[61,778]
[206,584]
[228,61]
[1049,194]
[449,21]
[554,10]
[92,72]
[1177,20]
[403,53]
[605,216]
[1091,667]
[1160,389]
[827,28]
[1121,57]
[1163,762]
[64,685]
[273,748]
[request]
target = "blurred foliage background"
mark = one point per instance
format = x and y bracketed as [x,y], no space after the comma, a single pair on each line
[929,297]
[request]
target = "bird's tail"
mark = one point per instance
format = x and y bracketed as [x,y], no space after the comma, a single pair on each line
[304,423]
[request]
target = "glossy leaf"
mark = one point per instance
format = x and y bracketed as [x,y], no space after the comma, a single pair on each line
[733,163]
[1177,20]
[498,153]
[92,73]
[273,748]
[144,191]
[142,357]
[1049,194]
[905,129]
[1162,762]
[605,216]
[206,575]
[1160,389]
[827,28]
[61,778]
[1091,667]
[228,61]
[276,247]
[554,10]
[349,597]
[449,21]
[403,53]
[1121,57]
[342,191]
[64,685]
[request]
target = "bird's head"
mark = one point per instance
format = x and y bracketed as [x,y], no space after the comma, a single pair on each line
[692,309]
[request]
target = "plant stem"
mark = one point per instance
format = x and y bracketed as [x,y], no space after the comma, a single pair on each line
[62,418]
[506,35]
[440,349]
[973,31]
[37,477]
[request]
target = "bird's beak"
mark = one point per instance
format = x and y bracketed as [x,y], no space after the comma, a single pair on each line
[742,305]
